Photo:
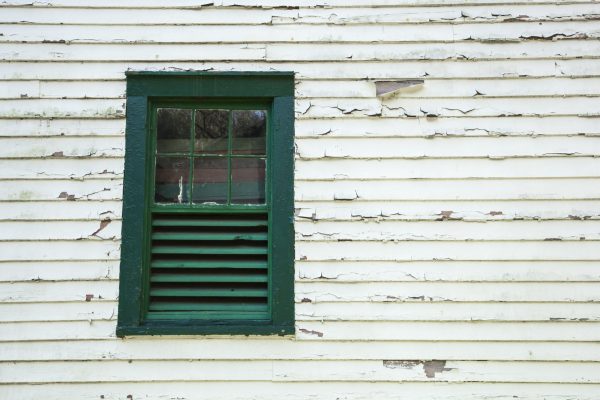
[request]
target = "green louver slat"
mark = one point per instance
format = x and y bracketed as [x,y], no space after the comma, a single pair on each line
[209,250]
[207,315]
[209,236]
[189,306]
[209,264]
[208,223]
[202,292]
[183,278]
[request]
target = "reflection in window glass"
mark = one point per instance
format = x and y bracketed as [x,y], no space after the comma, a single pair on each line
[171,180]
[248,181]
[210,180]
[173,130]
[211,131]
[249,132]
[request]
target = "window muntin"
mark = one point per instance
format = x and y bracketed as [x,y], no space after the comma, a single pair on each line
[206,156]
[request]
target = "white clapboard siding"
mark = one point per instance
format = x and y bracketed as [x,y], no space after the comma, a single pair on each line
[99,189]
[431,230]
[421,126]
[492,147]
[473,189]
[97,250]
[446,235]
[449,271]
[300,33]
[60,210]
[455,88]
[267,349]
[89,108]
[463,311]
[61,230]
[329,70]
[304,371]
[60,168]
[443,330]
[210,15]
[41,127]
[63,89]
[332,291]
[443,250]
[449,209]
[59,270]
[288,52]
[319,169]
[59,311]
[301,390]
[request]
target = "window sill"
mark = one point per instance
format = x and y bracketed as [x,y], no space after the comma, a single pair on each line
[206,328]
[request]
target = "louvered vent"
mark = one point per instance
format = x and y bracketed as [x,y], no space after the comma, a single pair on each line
[209,266]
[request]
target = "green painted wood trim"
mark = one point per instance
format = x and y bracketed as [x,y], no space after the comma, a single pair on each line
[133,230]
[277,88]
[281,217]
[210,84]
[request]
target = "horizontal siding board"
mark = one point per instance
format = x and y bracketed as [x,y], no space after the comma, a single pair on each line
[57,209]
[446,126]
[61,168]
[350,70]
[43,127]
[296,52]
[447,230]
[66,190]
[60,270]
[97,250]
[488,311]
[301,371]
[446,292]
[438,250]
[454,88]
[68,230]
[92,13]
[451,107]
[451,209]
[448,147]
[302,390]
[473,189]
[297,33]
[448,271]
[543,167]
[457,331]
[268,349]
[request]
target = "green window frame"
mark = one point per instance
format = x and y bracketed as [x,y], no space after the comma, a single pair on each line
[147,92]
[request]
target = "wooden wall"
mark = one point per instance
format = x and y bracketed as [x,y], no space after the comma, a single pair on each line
[447,236]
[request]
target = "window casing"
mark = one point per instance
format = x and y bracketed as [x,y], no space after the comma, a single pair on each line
[208,204]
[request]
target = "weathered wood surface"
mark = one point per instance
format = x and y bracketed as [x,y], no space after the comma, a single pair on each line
[447,236]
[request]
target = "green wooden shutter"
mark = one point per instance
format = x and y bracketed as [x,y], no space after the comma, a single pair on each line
[209,266]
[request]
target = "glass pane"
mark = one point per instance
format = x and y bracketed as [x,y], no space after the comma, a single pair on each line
[210,180]
[173,130]
[211,131]
[249,132]
[248,180]
[171,183]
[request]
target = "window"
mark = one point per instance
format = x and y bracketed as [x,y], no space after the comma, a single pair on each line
[207,238]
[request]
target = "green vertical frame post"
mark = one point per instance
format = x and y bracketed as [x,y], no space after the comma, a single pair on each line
[143,88]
